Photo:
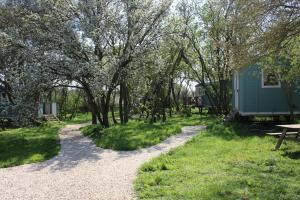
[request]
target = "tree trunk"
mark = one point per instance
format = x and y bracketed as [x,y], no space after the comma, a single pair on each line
[164,115]
[124,107]
[94,118]
[92,104]
[121,104]
[169,98]
[105,118]
[174,96]
[112,109]
[105,109]
[113,114]
[95,112]
[126,104]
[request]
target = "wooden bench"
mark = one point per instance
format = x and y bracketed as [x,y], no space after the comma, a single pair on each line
[285,133]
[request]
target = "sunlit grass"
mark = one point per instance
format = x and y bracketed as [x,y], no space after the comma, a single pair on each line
[138,134]
[224,162]
[80,118]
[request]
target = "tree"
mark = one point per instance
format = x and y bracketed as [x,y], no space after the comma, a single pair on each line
[205,36]
[21,75]
[98,40]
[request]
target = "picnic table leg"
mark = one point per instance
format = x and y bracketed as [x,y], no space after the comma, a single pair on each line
[282,136]
[298,134]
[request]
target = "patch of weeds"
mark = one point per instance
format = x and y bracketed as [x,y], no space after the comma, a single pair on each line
[270,162]
[93,131]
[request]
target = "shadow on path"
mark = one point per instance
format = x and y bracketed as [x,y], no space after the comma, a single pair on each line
[75,149]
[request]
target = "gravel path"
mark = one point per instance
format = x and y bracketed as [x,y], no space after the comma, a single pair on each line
[82,170]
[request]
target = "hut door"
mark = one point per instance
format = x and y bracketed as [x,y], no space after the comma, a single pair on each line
[236,91]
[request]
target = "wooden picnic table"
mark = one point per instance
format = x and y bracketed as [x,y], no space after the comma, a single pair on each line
[284,133]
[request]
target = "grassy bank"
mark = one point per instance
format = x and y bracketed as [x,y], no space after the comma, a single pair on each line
[224,163]
[138,134]
[28,145]
[33,144]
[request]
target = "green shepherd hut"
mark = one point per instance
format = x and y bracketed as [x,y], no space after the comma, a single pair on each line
[260,93]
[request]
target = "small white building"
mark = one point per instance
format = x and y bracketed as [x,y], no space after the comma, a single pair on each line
[47,108]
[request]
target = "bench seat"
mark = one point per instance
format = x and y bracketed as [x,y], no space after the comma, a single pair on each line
[287,133]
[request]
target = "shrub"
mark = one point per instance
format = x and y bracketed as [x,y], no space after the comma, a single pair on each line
[186,111]
[94,131]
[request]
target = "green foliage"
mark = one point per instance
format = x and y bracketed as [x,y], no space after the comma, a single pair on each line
[71,102]
[224,162]
[94,131]
[29,145]
[137,134]
[186,111]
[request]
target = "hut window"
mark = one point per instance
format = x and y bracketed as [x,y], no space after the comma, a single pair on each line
[270,80]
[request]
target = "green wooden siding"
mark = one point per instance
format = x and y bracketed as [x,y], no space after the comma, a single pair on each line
[255,99]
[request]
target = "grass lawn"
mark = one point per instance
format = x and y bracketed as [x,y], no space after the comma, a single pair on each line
[224,162]
[80,118]
[33,144]
[28,145]
[137,134]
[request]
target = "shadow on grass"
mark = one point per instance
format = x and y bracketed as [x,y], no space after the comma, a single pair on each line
[139,134]
[295,155]
[187,133]
[235,131]
[28,145]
